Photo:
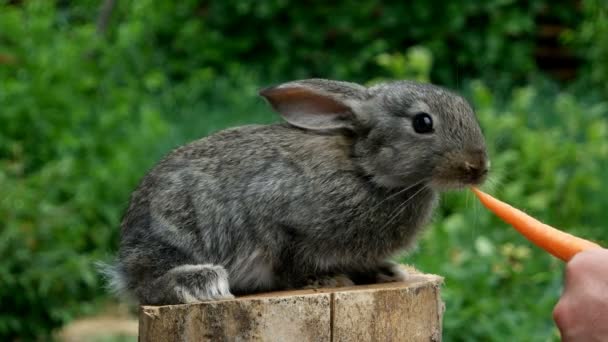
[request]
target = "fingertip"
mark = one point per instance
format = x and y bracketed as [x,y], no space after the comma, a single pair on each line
[560,314]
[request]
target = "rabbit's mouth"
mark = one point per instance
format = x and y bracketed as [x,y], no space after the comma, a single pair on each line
[444,184]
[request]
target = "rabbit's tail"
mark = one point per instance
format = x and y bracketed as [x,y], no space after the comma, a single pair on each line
[114,278]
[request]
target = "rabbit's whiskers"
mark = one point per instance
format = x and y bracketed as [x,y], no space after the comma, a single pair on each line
[394,195]
[402,207]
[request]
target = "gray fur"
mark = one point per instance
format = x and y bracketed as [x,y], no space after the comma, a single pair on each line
[259,208]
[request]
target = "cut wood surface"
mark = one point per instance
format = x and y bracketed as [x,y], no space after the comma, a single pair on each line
[405,311]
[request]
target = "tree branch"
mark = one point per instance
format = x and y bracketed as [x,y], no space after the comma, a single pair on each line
[105,13]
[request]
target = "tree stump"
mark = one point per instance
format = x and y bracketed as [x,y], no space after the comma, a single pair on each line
[405,311]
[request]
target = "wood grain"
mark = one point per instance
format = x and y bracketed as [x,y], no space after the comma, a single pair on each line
[403,311]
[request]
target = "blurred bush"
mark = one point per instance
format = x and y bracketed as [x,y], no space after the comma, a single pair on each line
[86,108]
[591,41]
[76,134]
[294,39]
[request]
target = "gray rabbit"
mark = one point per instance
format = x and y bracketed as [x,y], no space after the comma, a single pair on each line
[346,182]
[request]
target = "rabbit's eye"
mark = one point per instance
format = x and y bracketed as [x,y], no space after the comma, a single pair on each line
[423,123]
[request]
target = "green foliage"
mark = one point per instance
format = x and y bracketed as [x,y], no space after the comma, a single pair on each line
[294,39]
[85,113]
[591,42]
[75,138]
[415,64]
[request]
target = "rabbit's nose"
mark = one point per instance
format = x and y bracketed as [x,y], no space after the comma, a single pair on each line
[477,164]
[477,169]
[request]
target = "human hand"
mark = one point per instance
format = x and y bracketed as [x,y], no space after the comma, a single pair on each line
[582,311]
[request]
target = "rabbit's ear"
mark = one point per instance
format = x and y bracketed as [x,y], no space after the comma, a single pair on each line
[314,104]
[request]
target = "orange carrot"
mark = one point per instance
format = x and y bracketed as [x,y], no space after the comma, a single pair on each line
[554,241]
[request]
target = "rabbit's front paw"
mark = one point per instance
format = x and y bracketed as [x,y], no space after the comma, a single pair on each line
[385,272]
[338,280]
